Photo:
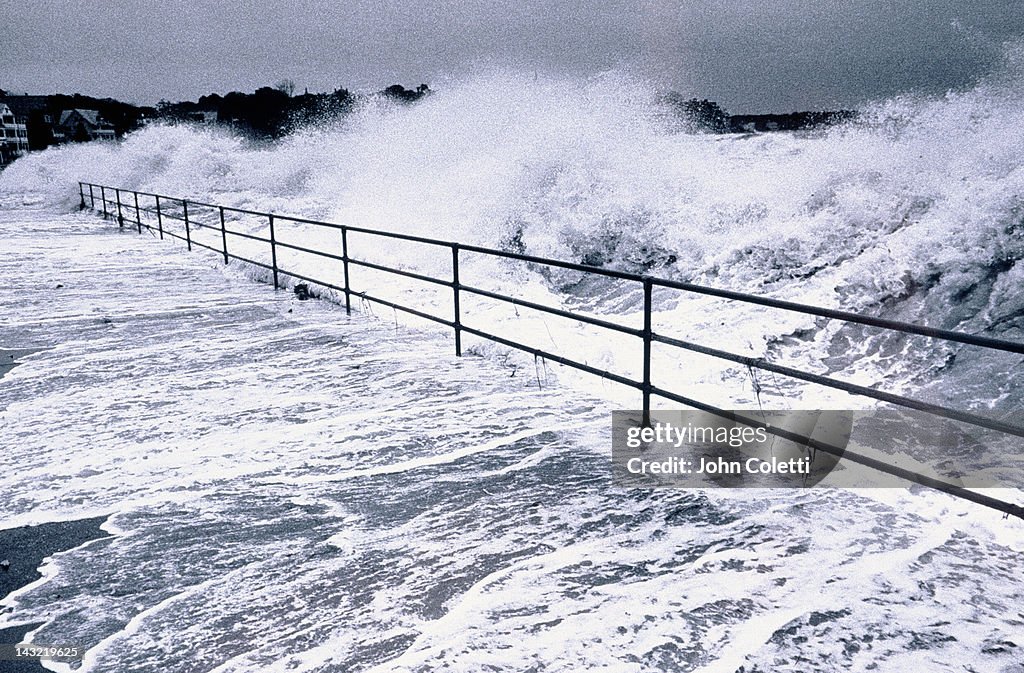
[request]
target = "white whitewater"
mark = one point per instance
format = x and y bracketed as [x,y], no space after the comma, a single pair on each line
[307,492]
[293,490]
[914,213]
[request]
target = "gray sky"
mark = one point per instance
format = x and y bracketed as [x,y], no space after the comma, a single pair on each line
[750,55]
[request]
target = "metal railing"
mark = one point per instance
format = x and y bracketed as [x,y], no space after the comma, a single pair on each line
[156,205]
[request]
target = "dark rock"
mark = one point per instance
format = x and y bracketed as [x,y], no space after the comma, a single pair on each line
[302,291]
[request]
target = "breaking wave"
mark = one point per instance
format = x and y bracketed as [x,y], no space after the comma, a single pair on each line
[915,211]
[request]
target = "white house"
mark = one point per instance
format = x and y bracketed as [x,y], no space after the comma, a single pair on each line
[13,136]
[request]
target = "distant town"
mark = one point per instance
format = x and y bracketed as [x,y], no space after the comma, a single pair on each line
[35,122]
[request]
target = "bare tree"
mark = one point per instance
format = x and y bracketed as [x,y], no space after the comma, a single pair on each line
[287,86]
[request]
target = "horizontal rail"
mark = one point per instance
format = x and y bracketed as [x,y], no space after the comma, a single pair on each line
[575,364]
[194,242]
[319,253]
[647,335]
[932,332]
[262,265]
[240,234]
[173,235]
[196,203]
[399,307]
[170,216]
[203,245]
[554,311]
[874,463]
[241,210]
[400,272]
[400,237]
[293,274]
[412,238]
[303,220]
[572,266]
[852,388]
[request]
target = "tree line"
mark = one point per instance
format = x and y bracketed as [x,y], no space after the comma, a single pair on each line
[274,111]
[265,114]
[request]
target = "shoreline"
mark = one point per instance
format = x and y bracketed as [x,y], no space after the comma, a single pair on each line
[12,635]
[25,548]
[9,358]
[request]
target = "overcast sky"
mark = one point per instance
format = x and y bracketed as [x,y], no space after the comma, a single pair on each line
[750,55]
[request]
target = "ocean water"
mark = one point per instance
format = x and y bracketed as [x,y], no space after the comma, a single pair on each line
[406,513]
[913,212]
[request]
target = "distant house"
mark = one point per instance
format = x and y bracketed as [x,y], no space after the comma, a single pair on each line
[13,136]
[26,106]
[38,117]
[208,117]
[80,125]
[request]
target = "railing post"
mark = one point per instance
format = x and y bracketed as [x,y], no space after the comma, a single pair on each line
[188,231]
[138,216]
[159,218]
[455,289]
[92,198]
[103,197]
[81,196]
[223,234]
[344,263]
[648,291]
[120,218]
[273,251]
